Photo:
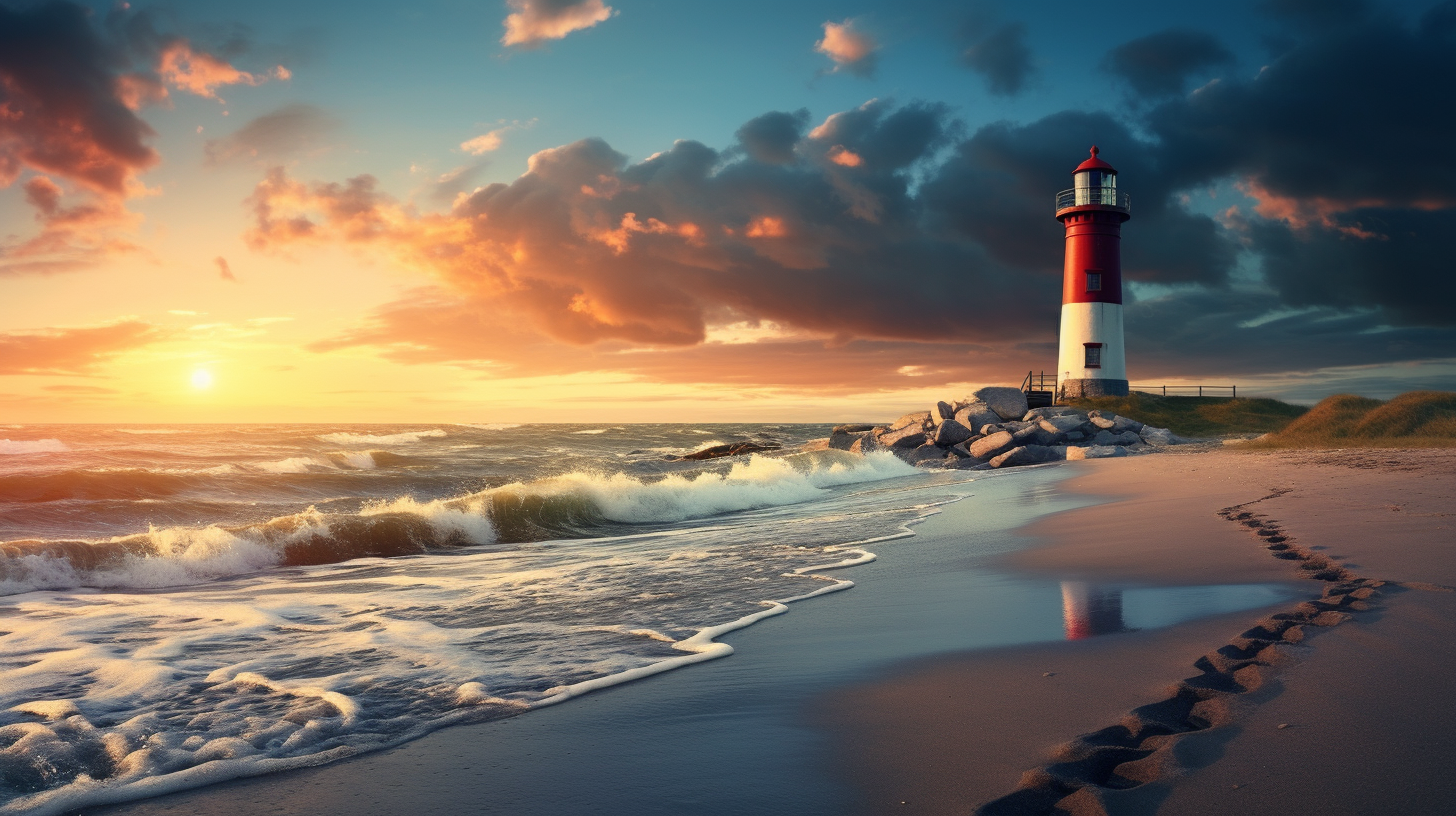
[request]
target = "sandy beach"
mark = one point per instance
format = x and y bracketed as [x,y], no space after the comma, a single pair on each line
[906,696]
[1353,718]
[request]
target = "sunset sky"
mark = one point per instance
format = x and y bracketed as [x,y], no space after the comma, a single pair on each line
[656,210]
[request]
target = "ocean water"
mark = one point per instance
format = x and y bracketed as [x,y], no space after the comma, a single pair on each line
[184,605]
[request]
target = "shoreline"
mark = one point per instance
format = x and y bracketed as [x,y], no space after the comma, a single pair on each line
[1260,688]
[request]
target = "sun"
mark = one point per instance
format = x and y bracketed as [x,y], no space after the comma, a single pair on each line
[202,379]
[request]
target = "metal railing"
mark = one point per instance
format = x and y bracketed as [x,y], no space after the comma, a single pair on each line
[1223,391]
[1037,381]
[1089,196]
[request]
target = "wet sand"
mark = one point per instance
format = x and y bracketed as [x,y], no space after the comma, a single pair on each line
[1187,720]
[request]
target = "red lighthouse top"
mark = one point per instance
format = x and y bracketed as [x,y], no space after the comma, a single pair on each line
[1095,163]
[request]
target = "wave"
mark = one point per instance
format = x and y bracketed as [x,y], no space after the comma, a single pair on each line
[140,431]
[18,446]
[575,505]
[406,438]
[491,426]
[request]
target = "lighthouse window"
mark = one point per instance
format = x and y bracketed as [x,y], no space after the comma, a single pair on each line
[1094,355]
[1094,281]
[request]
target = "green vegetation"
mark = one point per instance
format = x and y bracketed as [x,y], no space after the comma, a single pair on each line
[1199,416]
[1418,419]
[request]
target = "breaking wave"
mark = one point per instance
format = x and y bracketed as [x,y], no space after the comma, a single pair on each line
[406,438]
[8,446]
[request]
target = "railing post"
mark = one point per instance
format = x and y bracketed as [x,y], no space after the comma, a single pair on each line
[1236,391]
[1200,390]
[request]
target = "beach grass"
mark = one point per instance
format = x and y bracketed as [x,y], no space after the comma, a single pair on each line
[1416,419]
[1199,416]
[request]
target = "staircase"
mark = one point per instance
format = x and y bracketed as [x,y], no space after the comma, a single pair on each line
[1040,389]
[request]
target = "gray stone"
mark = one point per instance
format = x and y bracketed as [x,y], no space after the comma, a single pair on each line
[976,414]
[918,419]
[941,411]
[1122,423]
[845,440]
[1008,403]
[961,451]
[852,429]
[992,445]
[950,433]
[1158,437]
[1024,455]
[868,443]
[1105,438]
[905,436]
[1103,422]
[1053,411]
[1095,452]
[1128,438]
[1034,435]
[1061,424]
[924,453]
[1074,436]
[991,428]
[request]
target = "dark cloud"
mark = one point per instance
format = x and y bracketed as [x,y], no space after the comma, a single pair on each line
[1002,56]
[72,351]
[770,138]
[1161,64]
[287,131]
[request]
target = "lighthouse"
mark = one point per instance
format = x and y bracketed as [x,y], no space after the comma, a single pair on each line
[1090,358]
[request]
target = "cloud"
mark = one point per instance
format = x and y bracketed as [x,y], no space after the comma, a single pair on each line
[770,138]
[1161,64]
[71,237]
[72,350]
[200,73]
[223,270]
[290,130]
[851,50]
[484,143]
[1002,56]
[532,22]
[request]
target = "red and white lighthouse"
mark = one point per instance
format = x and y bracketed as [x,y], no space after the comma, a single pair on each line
[1090,359]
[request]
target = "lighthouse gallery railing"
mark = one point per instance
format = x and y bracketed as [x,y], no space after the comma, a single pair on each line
[1086,196]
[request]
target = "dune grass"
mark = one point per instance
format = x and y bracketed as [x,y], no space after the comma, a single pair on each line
[1200,416]
[1417,419]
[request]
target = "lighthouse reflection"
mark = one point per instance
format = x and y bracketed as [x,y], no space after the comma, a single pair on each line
[1088,610]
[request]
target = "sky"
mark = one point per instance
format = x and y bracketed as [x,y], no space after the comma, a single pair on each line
[659,211]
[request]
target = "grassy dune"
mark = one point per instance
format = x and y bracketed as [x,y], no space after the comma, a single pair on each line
[1200,416]
[1418,419]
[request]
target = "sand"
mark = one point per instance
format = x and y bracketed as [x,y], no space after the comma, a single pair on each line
[1341,706]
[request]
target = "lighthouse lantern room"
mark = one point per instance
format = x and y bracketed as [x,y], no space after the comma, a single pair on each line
[1090,360]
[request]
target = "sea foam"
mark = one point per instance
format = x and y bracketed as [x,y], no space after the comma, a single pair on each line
[18,446]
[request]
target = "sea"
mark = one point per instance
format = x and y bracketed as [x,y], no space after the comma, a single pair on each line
[183,605]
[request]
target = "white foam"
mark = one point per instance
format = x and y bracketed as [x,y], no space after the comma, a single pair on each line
[454,520]
[593,431]
[294,464]
[406,438]
[491,426]
[18,446]
[140,431]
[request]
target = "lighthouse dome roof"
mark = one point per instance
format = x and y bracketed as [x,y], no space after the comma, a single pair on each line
[1095,163]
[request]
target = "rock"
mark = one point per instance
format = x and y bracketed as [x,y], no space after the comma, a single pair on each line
[960,451]
[1127,438]
[924,453]
[1074,436]
[1158,437]
[731,449]
[918,419]
[1061,424]
[991,428]
[1105,438]
[851,429]
[1122,423]
[940,412]
[843,441]
[1034,435]
[992,445]
[1024,455]
[867,443]
[950,433]
[816,444]
[1053,411]
[1008,403]
[1095,452]
[976,414]
[905,436]
[1102,422]
[969,463]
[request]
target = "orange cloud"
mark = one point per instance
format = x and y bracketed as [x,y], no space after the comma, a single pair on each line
[844,158]
[535,21]
[72,350]
[72,237]
[851,49]
[201,73]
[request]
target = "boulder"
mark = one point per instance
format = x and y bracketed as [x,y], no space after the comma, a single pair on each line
[1095,452]
[1158,437]
[1008,403]
[976,414]
[991,445]
[950,432]
[924,453]
[817,444]
[990,428]
[940,412]
[1025,455]
[1074,436]
[960,451]
[1122,423]
[842,440]
[852,429]
[867,443]
[731,449]
[904,436]
[918,419]
[968,463]
[1103,422]
[1053,411]
[1061,424]
[1034,435]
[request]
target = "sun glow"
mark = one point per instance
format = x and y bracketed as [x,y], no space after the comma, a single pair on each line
[202,379]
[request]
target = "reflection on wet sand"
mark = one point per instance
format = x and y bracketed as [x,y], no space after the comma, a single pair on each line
[1089,610]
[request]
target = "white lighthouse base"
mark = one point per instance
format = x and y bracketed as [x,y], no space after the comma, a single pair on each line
[1091,323]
